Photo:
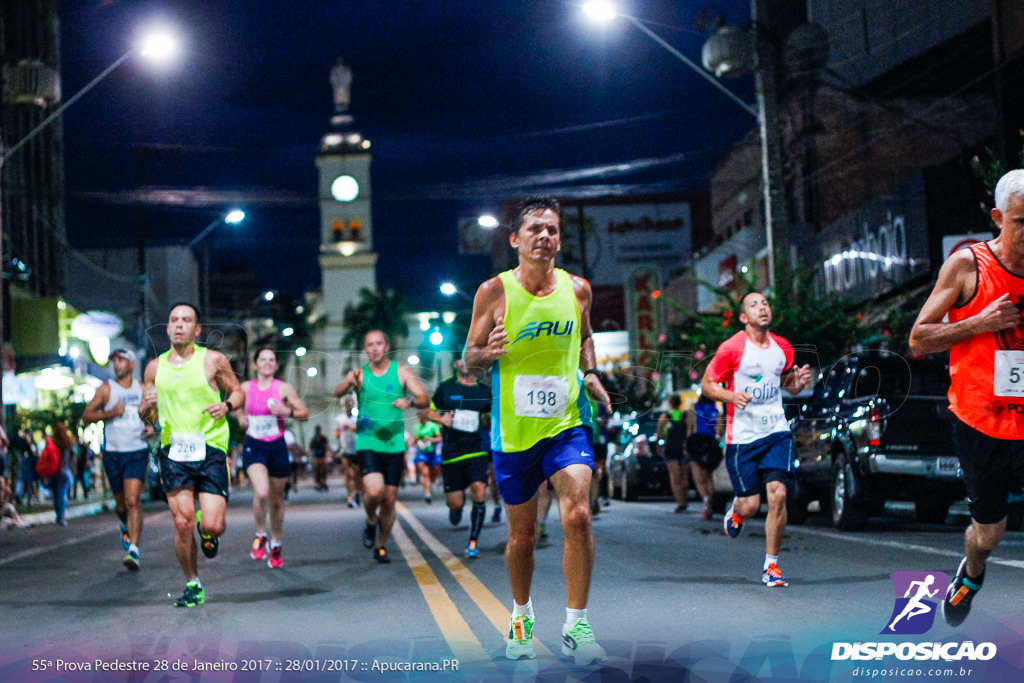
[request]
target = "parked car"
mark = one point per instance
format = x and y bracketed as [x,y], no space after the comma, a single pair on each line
[877,428]
[637,467]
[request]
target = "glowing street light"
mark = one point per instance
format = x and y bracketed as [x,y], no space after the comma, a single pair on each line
[159,46]
[436,338]
[235,216]
[414,360]
[487,221]
[269,296]
[311,372]
[448,289]
[599,10]
[288,331]
[301,351]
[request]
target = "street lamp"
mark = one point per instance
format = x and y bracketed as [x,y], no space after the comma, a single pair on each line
[448,289]
[487,221]
[436,338]
[766,113]
[268,296]
[233,217]
[153,46]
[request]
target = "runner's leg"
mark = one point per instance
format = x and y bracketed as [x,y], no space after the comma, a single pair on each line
[260,495]
[184,511]
[572,485]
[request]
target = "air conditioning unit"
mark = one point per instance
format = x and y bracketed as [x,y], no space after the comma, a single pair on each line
[31,82]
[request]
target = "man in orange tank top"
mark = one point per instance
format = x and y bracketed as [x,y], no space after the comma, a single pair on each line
[982,291]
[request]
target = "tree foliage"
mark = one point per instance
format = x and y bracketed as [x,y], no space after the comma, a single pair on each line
[381,310]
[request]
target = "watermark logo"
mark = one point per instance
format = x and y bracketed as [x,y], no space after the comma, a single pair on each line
[914,612]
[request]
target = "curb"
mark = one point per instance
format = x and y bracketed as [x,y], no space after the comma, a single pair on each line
[73,512]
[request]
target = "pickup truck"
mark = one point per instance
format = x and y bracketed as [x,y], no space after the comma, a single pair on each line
[877,427]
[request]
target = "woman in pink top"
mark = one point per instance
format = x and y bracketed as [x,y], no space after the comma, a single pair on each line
[268,402]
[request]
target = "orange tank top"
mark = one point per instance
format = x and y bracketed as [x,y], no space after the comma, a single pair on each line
[987,370]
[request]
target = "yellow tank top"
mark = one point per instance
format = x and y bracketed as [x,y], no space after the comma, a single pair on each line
[182,394]
[537,392]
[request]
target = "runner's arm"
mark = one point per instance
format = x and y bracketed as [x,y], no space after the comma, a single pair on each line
[487,338]
[411,385]
[588,358]
[93,412]
[351,381]
[225,378]
[299,411]
[240,414]
[931,335]
[659,431]
[147,406]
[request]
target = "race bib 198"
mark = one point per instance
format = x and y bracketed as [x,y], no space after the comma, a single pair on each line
[1009,374]
[187,447]
[540,395]
[262,426]
[466,420]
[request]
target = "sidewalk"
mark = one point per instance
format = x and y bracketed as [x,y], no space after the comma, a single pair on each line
[44,514]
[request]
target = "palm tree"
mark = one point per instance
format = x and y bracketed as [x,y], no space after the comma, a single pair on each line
[381,310]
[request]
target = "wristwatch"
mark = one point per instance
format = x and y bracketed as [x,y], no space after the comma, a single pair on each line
[228,404]
[592,371]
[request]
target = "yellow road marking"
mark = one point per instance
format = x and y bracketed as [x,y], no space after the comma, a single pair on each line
[495,611]
[463,643]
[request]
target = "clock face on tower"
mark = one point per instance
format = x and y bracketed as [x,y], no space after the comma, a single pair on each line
[344,188]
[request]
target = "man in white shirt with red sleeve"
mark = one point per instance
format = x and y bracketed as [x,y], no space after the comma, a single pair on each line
[755,366]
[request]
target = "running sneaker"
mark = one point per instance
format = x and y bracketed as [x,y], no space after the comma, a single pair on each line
[131,560]
[351,503]
[208,544]
[275,559]
[772,577]
[957,604]
[496,517]
[471,550]
[369,535]
[259,548]
[733,523]
[543,530]
[455,516]
[193,595]
[706,514]
[125,541]
[520,638]
[426,499]
[358,498]
[381,555]
[579,642]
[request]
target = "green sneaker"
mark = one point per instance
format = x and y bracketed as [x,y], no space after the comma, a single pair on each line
[520,639]
[193,595]
[579,642]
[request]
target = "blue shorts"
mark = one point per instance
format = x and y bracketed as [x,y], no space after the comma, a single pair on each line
[271,454]
[125,465]
[432,459]
[520,474]
[771,455]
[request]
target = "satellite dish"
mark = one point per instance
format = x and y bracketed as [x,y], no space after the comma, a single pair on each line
[729,52]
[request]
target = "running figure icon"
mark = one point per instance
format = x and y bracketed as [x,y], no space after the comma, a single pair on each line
[914,606]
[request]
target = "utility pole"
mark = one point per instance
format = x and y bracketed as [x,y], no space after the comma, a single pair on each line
[766,74]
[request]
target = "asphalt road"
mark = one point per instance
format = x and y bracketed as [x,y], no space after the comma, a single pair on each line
[671,596]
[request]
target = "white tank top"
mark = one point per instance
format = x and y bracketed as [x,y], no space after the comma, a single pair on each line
[124,434]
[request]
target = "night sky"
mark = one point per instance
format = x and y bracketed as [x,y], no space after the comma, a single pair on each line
[467,103]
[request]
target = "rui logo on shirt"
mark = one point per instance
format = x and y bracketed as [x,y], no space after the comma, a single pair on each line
[533,330]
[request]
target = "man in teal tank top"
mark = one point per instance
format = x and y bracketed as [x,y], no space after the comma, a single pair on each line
[531,329]
[182,390]
[382,386]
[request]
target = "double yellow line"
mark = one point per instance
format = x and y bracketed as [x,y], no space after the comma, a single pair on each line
[460,637]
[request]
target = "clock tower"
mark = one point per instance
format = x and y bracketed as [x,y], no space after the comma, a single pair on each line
[347,260]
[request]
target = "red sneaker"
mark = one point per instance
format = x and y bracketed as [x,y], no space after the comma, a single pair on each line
[259,548]
[275,560]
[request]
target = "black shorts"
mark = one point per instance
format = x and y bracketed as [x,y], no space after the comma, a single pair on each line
[704,450]
[271,454]
[676,452]
[993,468]
[121,465]
[459,475]
[205,476]
[391,465]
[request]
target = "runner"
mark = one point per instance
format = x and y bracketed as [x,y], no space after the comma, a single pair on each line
[531,328]
[345,429]
[983,294]
[182,389]
[462,406]
[380,434]
[756,364]
[125,454]
[265,405]
[427,461]
[703,447]
[318,448]
[672,428]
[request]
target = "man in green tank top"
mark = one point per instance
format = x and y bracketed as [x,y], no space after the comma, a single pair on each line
[382,386]
[182,390]
[531,328]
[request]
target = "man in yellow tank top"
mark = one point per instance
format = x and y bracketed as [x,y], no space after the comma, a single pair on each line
[531,329]
[981,290]
[182,390]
